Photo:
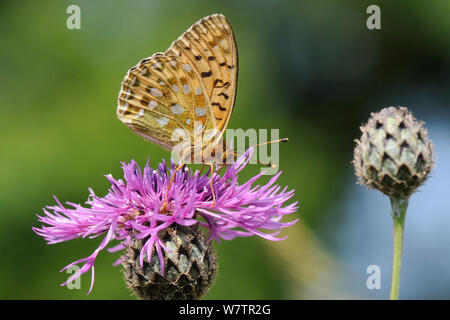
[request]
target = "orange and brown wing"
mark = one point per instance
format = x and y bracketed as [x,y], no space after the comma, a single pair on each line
[191,87]
[210,46]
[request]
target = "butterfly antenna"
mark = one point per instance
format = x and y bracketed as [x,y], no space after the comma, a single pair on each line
[273,141]
[270,165]
[264,143]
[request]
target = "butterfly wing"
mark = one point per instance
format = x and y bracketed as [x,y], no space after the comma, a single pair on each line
[189,88]
[158,98]
[210,46]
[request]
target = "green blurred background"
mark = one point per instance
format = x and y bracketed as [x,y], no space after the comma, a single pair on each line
[310,68]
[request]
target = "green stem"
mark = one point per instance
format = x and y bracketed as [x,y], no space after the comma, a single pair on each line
[399,206]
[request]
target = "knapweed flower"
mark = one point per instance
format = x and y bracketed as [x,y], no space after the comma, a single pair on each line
[159,227]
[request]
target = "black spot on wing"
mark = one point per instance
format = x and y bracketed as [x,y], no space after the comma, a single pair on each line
[146,73]
[144,101]
[218,105]
[135,82]
[220,84]
[206,74]
[130,95]
[224,95]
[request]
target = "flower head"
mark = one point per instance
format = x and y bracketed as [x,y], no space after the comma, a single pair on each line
[134,210]
[394,154]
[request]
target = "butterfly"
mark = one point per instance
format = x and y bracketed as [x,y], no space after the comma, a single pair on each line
[188,90]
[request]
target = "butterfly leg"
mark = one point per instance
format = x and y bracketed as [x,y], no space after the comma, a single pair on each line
[212,186]
[164,206]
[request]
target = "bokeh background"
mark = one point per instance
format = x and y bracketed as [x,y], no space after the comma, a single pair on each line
[310,68]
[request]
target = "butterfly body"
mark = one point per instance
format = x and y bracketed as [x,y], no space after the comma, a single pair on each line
[188,91]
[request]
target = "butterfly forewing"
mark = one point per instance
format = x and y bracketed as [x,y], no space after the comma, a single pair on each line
[190,87]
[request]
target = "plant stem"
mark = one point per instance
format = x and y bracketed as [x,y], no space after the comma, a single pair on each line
[399,206]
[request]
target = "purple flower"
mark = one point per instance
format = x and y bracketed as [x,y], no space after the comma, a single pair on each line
[132,209]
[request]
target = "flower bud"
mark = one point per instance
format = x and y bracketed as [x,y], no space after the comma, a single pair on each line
[190,266]
[394,154]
